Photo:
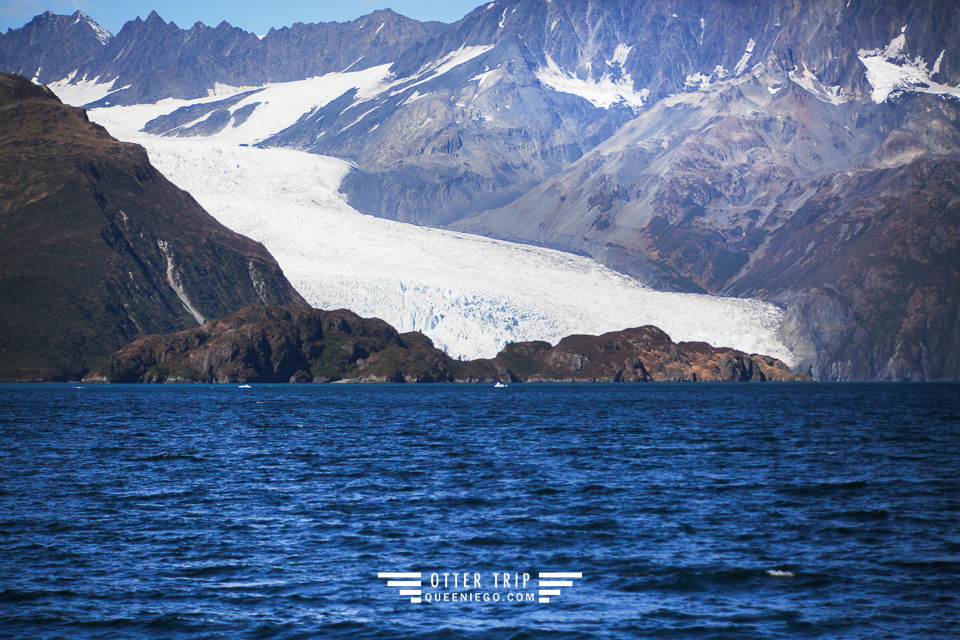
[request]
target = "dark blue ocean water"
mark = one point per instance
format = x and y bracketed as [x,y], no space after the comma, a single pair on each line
[691,511]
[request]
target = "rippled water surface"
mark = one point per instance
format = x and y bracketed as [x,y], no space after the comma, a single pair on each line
[691,511]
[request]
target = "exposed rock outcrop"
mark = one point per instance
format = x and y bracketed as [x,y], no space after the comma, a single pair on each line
[642,354]
[274,344]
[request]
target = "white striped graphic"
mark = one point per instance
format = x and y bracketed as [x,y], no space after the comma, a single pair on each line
[555,579]
[404,579]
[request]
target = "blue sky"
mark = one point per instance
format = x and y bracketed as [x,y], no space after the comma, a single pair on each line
[252,16]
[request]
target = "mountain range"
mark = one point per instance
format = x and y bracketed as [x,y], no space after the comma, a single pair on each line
[804,153]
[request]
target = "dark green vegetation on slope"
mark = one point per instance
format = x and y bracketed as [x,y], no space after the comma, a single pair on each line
[274,344]
[98,248]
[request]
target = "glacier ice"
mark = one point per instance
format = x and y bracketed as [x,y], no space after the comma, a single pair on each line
[468,293]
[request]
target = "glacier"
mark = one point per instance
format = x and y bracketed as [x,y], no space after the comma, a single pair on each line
[470,294]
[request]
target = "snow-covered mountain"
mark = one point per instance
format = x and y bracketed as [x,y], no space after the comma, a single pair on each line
[691,144]
[152,59]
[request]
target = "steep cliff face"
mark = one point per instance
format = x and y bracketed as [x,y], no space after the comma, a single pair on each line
[869,268]
[96,247]
[269,344]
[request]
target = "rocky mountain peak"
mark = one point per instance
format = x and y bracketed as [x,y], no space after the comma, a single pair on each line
[157,59]
[387,13]
[102,34]
[51,47]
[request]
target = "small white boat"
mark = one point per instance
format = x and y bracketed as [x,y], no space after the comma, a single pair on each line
[245,386]
[500,385]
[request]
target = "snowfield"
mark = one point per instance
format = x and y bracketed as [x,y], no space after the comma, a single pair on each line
[470,294]
[603,93]
[889,71]
[276,106]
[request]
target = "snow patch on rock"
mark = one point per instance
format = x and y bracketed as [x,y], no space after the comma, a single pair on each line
[741,66]
[620,55]
[812,84]
[173,279]
[276,106]
[603,93]
[699,81]
[890,71]
[447,63]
